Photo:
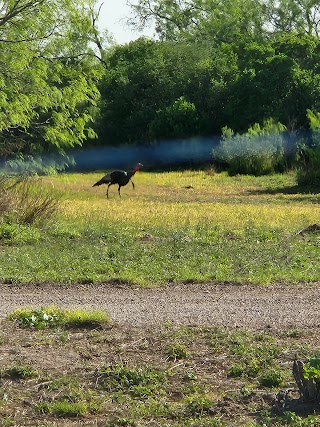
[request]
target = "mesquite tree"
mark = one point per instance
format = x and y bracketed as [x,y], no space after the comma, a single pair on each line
[48,75]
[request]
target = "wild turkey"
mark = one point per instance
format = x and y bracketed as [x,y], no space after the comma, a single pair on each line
[118,177]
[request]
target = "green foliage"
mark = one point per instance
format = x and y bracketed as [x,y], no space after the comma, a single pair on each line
[163,90]
[179,120]
[199,405]
[54,317]
[259,151]
[177,352]
[17,234]
[138,382]
[312,369]
[253,356]
[48,79]
[309,154]
[271,378]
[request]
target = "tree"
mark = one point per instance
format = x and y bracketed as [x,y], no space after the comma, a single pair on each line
[224,21]
[213,20]
[149,84]
[300,16]
[48,75]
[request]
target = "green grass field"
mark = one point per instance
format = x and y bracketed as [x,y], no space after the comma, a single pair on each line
[241,229]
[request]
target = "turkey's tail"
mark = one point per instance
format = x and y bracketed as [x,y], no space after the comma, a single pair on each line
[105,180]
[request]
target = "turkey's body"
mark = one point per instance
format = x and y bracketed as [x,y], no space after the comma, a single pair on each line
[118,177]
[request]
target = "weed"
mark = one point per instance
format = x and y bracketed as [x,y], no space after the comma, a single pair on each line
[176,352]
[18,372]
[199,405]
[246,390]
[18,234]
[139,382]
[53,317]
[271,378]
[26,201]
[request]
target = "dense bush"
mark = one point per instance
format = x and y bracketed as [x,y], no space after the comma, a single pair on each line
[257,152]
[309,154]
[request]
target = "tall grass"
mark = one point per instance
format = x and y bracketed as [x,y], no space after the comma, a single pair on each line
[26,201]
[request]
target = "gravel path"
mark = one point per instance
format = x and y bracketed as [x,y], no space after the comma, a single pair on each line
[245,306]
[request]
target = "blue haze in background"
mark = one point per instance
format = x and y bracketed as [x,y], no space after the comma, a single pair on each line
[169,153]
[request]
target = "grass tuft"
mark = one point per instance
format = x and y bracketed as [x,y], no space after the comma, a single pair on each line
[54,317]
[63,408]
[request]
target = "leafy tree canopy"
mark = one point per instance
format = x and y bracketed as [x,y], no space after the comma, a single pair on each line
[222,21]
[48,74]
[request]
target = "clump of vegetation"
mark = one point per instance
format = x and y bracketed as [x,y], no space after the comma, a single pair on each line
[271,378]
[63,408]
[54,317]
[258,152]
[199,405]
[19,372]
[309,154]
[138,382]
[26,201]
[177,351]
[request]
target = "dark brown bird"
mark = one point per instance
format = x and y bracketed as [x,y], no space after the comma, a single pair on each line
[118,177]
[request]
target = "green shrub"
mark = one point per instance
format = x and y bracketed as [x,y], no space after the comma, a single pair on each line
[18,233]
[258,152]
[309,155]
[199,405]
[312,369]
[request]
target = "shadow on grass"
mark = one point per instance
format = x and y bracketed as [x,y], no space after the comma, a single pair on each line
[309,193]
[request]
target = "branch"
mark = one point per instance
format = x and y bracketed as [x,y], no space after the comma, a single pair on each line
[18,9]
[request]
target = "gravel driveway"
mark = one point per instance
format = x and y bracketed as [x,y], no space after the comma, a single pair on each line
[245,306]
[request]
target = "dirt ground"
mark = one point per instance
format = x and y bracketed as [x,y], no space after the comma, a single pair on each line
[225,304]
[143,325]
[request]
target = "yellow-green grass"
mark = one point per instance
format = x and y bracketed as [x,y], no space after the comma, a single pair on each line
[174,226]
[162,199]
